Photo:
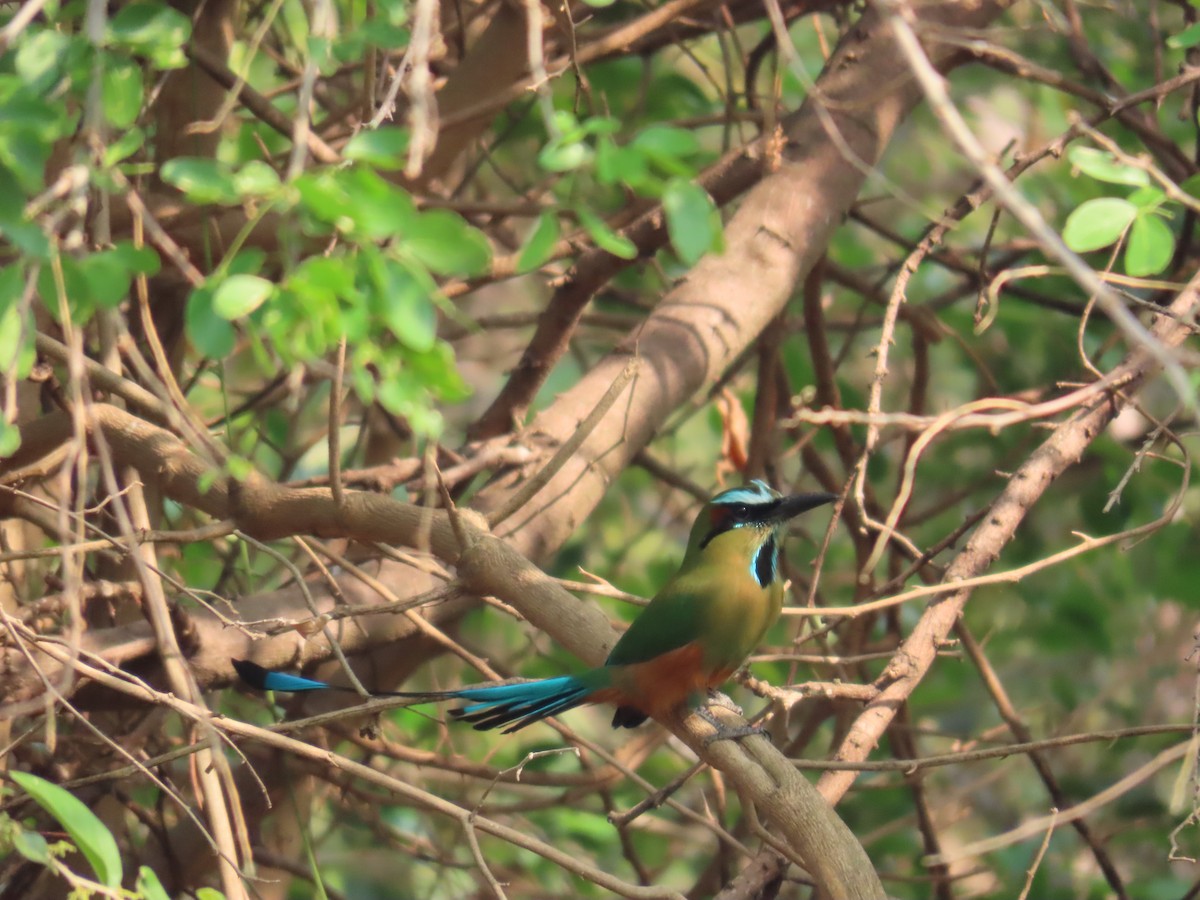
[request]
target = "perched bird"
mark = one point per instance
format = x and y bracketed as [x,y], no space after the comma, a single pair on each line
[694,633]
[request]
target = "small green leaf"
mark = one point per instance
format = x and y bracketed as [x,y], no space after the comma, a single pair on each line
[599,4]
[378,208]
[690,219]
[1150,248]
[149,886]
[605,238]
[256,179]
[139,260]
[207,893]
[153,29]
[1103,166]
[25,152]
[75,288]
[202,180]
[1191,186]
[38,58]
[247,262]
[240,295]
[1148,198]
[622,165]
[10,443]
[667,148]
[443,242]
[210,334]
[560,155]
[539,246]
[382,147]
[1186,39]
[29,844]
[405,306]
[108,277]
[122,93]
[90,835]
[324,199]
[128,143]
[1097,223]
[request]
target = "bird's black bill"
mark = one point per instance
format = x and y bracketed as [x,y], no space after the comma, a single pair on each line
[792,506]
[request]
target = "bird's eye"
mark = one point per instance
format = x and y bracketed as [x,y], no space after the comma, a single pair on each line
[738,510]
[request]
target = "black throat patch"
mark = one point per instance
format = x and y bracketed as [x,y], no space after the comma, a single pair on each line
[766,562]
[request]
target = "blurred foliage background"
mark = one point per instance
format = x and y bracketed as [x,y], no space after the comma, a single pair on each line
[247,209]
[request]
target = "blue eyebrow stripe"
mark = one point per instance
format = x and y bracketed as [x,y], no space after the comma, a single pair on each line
[756,492]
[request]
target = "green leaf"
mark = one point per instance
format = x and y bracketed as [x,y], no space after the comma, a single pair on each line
[108,277]
[378,208]
[12,199]
[667,140]
[690,219]
[1150,248]
[210,334]
[17,354]
[122,93]
[127,144]
[26,152]
[139,260]
[622,165]
[560,155]
[404,304]
[1186,39]
[1097,223]
[39,58]
[153,29]
[1191,186]
[256,179]
[1103,166]
[240,295]
[444,243]
[202,180]
[10,443]
[77,290]
[90,835]
[605,238]
[149,886]
[382,147]
[247,262]
[668,148]
[29,844]
[539,246]
[1147,198]
[207,893]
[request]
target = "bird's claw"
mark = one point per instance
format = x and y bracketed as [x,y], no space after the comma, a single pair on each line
[729,732]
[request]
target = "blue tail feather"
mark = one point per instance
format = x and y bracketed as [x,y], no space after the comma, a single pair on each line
[521,704]
[266,680]
[514,704]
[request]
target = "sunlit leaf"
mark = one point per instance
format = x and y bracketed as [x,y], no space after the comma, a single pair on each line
[89,834]
[690,219]
[1103,166]
[444,242]
[149,885]
[240,295]
[210,334]
[540,244]
[1187,38]
[382,147]
[122,91]
[606,239]
[256,179]
[1098,223]
[1150,248]
[202,180]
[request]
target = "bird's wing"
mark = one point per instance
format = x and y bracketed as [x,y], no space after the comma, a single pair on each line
[671,620]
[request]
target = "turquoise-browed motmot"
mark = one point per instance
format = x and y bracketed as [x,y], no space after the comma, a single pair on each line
[690,638]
